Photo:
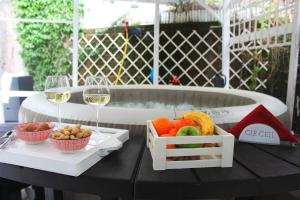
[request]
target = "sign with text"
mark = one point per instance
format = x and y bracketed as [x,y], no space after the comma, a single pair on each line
[259,133]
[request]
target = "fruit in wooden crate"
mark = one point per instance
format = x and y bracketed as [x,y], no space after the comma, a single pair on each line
[166,135]
[162,125]
[183,158]
[210,144]
[183,122]
[195,157]
[169,146]
[188,131]
[173,131]
[204,121]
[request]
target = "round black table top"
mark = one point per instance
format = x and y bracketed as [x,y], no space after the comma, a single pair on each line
[128,173]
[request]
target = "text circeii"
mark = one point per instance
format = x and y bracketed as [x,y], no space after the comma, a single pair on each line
[259,133]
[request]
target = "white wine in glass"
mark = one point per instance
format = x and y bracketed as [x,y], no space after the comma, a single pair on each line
[57,90]
[96,93]
[96,99]
[57,96]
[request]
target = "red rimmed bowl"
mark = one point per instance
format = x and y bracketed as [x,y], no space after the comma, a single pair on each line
[69,146]
[34,133]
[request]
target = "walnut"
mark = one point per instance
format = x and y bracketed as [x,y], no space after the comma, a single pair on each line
[75,130]
[73,133]
[72,137]
[65,132]
[79,134]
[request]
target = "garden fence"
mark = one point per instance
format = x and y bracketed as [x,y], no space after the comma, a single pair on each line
[192,55]
[260,43]
[189,16]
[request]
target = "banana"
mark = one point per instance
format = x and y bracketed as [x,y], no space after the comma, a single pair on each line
[204,121]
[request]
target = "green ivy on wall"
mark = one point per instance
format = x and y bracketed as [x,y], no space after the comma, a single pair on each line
[44,45]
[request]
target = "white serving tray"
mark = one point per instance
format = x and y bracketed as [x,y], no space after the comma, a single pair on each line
[46,157]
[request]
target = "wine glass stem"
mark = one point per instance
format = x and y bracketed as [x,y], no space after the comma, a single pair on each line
[97,110]
[59,116]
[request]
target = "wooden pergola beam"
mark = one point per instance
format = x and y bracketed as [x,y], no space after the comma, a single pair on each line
[226,42]
[75,43]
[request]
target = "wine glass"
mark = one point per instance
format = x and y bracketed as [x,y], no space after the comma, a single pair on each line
[96,93]
[57,90]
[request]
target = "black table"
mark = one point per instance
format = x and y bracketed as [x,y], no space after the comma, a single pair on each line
[112,177]
[128,173]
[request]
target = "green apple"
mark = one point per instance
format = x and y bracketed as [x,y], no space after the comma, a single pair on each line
[188,131]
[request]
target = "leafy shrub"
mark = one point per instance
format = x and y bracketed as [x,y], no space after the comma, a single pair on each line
[44,45]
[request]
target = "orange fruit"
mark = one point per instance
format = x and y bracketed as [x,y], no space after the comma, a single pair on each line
[173,131]
[184,122]
[166,135]
[162,125]
[170,146]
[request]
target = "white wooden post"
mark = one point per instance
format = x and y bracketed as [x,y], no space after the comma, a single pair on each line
[294,53]
[225,42]
[75,42]
[156,44]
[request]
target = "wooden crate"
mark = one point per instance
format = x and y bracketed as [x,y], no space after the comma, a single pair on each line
[163,158]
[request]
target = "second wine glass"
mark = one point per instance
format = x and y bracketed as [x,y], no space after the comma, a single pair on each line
[96,93]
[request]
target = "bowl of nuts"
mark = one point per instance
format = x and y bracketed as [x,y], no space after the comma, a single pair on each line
[71,138]
[34,133]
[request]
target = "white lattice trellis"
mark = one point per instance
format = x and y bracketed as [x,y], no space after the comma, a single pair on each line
[243,62]
[267,22]
[194,71]
[101,55]
[256,27]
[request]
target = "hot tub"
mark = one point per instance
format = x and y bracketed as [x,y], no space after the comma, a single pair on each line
[131,106]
